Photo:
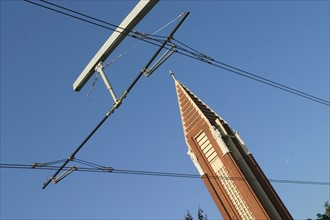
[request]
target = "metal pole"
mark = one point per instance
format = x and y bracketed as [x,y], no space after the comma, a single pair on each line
[99,69]
[185,15]
[79,147]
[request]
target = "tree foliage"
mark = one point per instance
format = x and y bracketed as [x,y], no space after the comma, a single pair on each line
[200,214]
[326,215]
[188,216]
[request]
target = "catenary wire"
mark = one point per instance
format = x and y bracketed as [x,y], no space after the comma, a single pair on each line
[94,168]
[116,104]
[139,43]
[309,97]
[202,57]
[79,13]
[94,22]
[73,16]
[192,54]
[96,19]
[76,117]
[134,34]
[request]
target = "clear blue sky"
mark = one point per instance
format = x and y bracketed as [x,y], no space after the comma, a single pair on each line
[42,119]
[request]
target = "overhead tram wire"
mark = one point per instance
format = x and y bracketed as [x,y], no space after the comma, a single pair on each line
[102,21]
[134,34]
[204,58]
[107,23]
[93,20]
[81,14]
[70,15]
[195,55]
[117,103]
[76,117]
[94,168]
[123,96]
[292,91]
[190,52]
[134,46]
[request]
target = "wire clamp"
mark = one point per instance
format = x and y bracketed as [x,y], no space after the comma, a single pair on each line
[35,164]
[109,169]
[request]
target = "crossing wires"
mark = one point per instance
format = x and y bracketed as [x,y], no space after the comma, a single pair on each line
[181,48]
[95,168]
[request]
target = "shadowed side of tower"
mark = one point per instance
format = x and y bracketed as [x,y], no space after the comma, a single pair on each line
[232,176]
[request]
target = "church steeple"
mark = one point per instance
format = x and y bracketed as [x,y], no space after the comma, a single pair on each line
[235,181]
[188,101]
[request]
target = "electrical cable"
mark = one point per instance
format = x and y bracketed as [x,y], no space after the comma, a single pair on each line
[191,54]
[202,57]
[99,20]
[134,46]
[102,169]
[79,13]
[116,104]
[48,163]
[309,97]
[75,119]
[195,55]
[76,17]
[94,22]
[93,165]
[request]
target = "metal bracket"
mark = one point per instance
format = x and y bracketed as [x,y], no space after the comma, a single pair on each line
[99,69]
[64,174]
[160,61]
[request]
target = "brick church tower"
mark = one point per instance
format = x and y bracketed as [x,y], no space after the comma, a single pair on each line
[232,176]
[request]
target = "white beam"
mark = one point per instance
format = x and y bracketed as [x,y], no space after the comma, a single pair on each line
[132,19]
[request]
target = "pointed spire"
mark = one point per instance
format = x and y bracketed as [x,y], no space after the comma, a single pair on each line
[193,110]
[172,74]
[217,150]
